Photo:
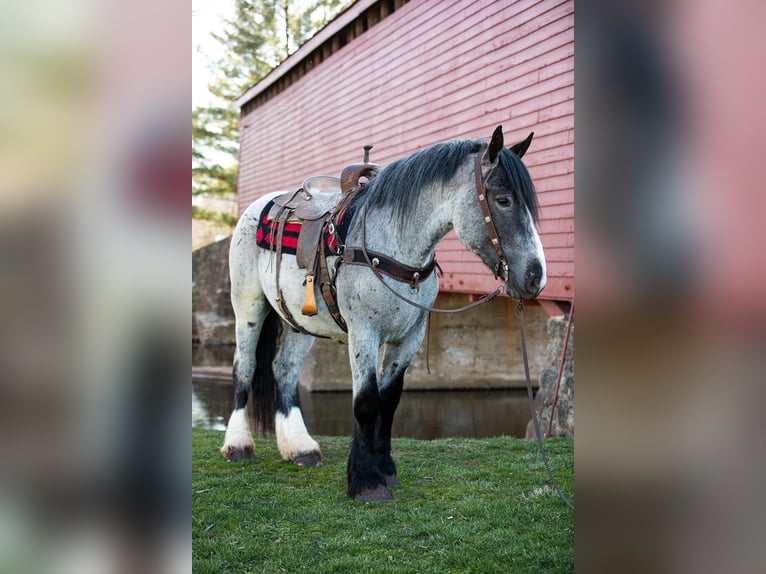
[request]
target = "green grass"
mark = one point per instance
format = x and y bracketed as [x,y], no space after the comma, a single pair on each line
[465,505]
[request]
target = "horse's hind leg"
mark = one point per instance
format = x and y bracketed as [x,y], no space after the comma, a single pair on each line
[238,442]
[294,442]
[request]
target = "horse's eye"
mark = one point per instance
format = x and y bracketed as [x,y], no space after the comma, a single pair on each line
[503,201]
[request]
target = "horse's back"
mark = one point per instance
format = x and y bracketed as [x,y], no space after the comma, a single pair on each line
[243,269]
[243,240]
[248,221]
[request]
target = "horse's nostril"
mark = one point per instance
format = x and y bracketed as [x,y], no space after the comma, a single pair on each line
[533,276]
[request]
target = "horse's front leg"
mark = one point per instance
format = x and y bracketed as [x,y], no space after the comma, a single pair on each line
[390,393]
[365,479]
[396,359]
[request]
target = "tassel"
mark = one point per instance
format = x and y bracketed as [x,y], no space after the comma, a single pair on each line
[309,301]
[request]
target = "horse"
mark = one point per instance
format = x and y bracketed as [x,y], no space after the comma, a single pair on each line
[481,190]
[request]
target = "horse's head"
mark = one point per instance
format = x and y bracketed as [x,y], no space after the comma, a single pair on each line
[509,213]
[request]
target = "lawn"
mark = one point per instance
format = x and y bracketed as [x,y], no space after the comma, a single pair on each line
[465,505]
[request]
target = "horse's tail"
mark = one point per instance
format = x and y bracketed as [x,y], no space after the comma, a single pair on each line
[264,385]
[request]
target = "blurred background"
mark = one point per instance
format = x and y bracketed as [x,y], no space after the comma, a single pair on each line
[94,236]
[671,282]
[94,212]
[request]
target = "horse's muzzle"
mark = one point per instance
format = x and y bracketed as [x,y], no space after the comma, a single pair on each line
[533,278]
[530,285]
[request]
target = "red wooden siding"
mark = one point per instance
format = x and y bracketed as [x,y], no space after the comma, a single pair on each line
[429,72]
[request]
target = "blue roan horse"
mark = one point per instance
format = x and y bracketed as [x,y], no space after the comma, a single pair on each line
[402,212]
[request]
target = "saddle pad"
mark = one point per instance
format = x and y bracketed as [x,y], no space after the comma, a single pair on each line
[268,230]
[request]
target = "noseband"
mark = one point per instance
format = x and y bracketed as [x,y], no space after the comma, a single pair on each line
[501,270]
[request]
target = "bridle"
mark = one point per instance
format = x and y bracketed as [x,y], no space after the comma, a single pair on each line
[501,269]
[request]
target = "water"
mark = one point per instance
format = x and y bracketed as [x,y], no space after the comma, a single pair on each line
[421,414]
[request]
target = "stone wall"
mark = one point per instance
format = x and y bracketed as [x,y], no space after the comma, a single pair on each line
[563,416]
[478,349]
[212,315]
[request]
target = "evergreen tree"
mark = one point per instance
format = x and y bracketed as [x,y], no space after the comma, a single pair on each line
[260,35]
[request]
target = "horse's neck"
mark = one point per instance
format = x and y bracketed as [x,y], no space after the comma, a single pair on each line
[413,240]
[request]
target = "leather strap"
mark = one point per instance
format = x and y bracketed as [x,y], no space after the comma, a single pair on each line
[327,287]
[388,266]
[326,280]
[373,265]
[309,238]
[285,312]
[481,191]
[340,210]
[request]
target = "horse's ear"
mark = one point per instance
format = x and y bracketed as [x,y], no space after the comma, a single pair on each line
[495,144]
[521,148]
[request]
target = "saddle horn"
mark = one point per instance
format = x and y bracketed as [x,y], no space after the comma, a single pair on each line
[349,177]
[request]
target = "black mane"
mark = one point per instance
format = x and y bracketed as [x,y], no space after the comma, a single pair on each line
[519,180]
[397,184]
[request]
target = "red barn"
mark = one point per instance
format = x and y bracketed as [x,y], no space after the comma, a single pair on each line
[406,74]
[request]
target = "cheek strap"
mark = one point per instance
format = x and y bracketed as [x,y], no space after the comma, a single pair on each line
[501,270]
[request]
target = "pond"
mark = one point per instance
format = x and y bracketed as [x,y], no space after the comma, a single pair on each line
[423,415]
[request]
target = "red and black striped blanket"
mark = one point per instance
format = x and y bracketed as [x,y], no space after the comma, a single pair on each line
[268,232]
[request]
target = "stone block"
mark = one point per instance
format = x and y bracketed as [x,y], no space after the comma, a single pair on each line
[563,415]
[212,329]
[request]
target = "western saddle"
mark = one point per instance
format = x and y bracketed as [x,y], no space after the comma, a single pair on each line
[318,206]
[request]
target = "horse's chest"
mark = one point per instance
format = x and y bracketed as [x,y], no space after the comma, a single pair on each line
[363,300]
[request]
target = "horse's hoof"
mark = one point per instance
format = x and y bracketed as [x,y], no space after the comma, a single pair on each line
[308,459]
[233,453]
[392,480]
[378,494]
